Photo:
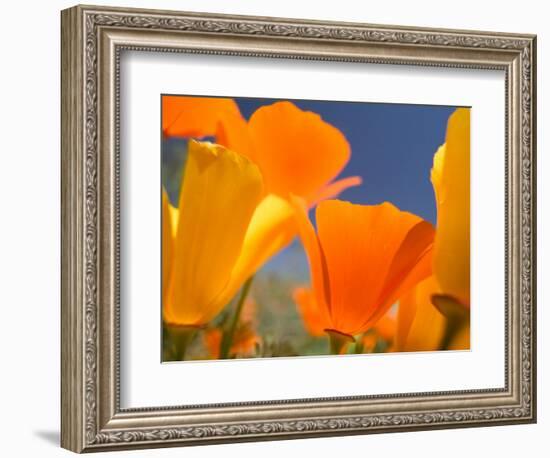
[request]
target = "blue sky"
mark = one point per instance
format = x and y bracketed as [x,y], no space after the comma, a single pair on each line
[392,148]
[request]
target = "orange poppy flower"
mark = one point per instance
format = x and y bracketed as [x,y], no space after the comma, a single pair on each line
[297,152]
[362,259]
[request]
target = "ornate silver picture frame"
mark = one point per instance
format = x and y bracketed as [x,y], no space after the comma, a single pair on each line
[93,39]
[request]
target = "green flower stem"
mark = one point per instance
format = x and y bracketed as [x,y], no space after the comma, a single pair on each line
[338,341]
[228,336]
[181,337]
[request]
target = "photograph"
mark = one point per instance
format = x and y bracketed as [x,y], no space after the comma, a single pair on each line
[312,228]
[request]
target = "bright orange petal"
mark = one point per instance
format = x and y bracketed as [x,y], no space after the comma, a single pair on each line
[185,116]
[362,245]
[316,258]
[296,150]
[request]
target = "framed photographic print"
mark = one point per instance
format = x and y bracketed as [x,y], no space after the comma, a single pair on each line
[278,228]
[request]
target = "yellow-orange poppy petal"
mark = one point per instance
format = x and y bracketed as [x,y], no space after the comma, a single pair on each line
[451,181]
[420,326]
[220,191]
[271,228]
[360,243]
[167,244]
[313,316]
[185,116]
[296,150]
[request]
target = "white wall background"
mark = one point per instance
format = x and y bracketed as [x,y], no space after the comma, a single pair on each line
[29,225]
